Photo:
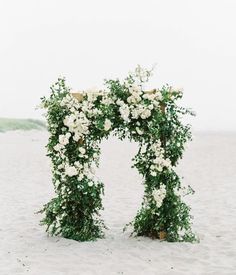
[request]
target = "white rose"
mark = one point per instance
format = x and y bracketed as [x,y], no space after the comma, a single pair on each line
[63,140]
[153,173]
[145,114]
[120,102]
[58,147]
[82,150]
[76,137]
[107,125]
[68,135]
[135,113]
[150,107]
[134,98]
[69,121]
[71,171]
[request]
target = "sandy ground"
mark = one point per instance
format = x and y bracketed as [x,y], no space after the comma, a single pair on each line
[209,166]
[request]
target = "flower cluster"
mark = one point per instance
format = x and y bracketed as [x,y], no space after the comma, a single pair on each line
[78,124]
[158,161]
[139,103]
[159,195]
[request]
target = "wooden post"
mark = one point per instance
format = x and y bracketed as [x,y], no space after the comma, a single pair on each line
[162,235]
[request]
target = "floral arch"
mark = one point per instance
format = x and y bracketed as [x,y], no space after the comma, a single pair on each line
[77,123]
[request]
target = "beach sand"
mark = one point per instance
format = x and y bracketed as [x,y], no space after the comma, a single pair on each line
[209,166]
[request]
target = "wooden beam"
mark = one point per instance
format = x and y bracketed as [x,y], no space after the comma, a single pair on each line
[79,96]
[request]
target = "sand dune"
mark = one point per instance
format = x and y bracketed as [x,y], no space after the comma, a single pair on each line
[209,166]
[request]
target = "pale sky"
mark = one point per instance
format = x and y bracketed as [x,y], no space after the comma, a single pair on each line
[193,44]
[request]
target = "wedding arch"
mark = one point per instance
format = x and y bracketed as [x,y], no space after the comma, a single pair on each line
[77,122]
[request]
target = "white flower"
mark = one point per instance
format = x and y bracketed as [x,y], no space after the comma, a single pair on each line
[153,173]
[82,150]
[145,114]
[92,94]
[158,162]
[61,166]
[153,96]
[81,176]
[57,182]
[63,139]
[58,147]
[134,98]
[150,96]
[70,121]
[120,102]
[90,183]
[159,95]
[68,135]
[82,127]
[159,195]
[77,123]
[106,100]
[70,171]
[124,112]
[135,89]
[77,164]
[107,125]
[139,131]
[135,113]
[76,137]
[150,107]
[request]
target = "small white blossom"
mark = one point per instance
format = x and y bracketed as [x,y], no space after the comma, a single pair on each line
[145,114]
[58,147]
[153,173]
[90,183]
[134,98]
[106,100]
[107,125]
[81,176]
[82,150]
[70,171]
[63,139]
[92,94]
[139,131]
[120,102]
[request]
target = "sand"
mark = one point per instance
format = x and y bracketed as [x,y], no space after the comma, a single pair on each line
[209,165]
